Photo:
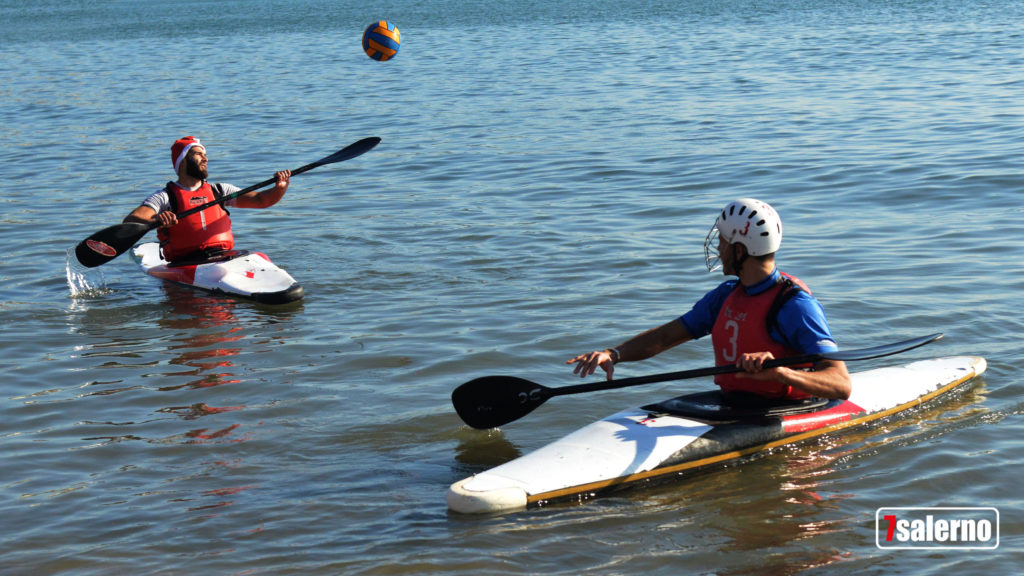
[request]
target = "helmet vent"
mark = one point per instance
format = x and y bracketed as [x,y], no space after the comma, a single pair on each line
[749,222]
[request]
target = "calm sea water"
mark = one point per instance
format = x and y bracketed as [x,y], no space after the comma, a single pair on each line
[547,174]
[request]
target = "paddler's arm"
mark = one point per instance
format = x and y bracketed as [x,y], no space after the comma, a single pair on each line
[266,198]
[802,322]
[145,215]
[639,347]
[828,379]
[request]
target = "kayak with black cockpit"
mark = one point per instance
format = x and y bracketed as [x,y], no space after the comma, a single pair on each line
[665,440]
[241,273]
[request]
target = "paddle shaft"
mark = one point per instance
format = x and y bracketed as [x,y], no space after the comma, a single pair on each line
[492,401]
[336,157]
[862,354]
[668,376]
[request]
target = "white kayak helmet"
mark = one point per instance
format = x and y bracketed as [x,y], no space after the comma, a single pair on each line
[746,221]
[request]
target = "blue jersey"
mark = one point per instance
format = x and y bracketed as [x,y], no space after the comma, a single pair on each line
[801,323]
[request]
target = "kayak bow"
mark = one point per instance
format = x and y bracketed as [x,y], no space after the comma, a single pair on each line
[241,273]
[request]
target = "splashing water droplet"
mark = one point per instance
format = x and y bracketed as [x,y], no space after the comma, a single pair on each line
[83,281]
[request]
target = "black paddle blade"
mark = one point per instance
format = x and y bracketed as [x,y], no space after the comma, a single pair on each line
[352,150]
[109,243]
[491,401]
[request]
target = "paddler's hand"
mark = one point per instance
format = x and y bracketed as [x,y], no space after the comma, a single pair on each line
[269,197]
[167,219]
[587,364]
[753,366]
[282,179]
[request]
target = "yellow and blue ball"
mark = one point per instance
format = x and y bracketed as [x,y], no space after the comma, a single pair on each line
[381,40]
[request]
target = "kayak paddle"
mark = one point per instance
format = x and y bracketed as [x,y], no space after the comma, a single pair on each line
[490,401]
[111,242]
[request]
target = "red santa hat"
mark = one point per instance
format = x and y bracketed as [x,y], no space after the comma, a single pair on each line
[180,149]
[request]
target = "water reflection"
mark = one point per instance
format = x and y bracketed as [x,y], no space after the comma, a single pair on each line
[484,448]
[197,410]
[207,336]
[798,498]
[223,497]
[193,343]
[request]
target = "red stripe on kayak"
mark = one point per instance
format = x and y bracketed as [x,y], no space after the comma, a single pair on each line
[813,420]
[182,274]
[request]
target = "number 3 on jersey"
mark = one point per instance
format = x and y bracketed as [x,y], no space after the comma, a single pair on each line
[729,352]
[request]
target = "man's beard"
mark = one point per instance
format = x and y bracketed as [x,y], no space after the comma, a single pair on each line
[193,169]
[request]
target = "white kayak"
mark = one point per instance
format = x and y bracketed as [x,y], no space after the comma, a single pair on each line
[692,432]
[241,273]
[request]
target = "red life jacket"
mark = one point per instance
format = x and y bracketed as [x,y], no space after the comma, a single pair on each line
[208,229]
[743,326]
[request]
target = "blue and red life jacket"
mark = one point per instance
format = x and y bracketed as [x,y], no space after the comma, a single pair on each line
[744,325]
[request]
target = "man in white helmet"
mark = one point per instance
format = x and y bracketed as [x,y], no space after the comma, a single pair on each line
[760,315]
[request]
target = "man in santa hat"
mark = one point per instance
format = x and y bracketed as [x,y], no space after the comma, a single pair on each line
[208,231]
